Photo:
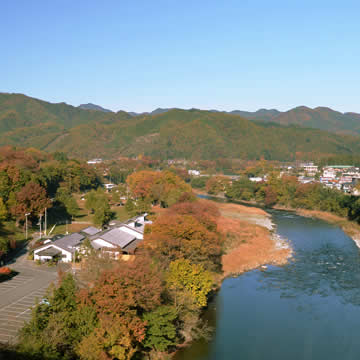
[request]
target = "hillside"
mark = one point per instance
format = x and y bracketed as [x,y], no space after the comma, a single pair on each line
[318,118]
[95,107]
[176,133]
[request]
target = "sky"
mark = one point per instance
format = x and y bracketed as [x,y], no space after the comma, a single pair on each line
[137,55]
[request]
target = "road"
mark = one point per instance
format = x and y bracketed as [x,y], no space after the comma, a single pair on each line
[18,295]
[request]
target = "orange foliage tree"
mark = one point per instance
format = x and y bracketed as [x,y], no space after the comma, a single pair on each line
[173,236]
[120,297]
[156,187]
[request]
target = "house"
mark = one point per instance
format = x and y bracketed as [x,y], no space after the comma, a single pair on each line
[256,179]
[309,168]
[95,161]
[109,186]
[306,179]
[121,238]
[194,172]
[63,248]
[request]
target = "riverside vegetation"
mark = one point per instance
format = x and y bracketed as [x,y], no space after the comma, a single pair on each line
[151,305]
[139,308]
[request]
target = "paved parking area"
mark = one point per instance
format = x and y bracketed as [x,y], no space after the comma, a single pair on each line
[14,283]
[19,294]
[14,315]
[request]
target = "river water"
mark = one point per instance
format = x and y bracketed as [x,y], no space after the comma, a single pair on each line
[308,309]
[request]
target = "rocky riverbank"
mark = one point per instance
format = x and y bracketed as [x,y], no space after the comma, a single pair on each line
[250,240]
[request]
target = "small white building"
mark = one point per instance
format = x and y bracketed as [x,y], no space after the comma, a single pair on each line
[64,248]
[256,179]
[95,161]
[194,172]
[109,186]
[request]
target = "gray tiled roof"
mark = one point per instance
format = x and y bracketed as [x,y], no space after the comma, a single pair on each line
[117,237]
[68,242]
[50,251]
[91,230]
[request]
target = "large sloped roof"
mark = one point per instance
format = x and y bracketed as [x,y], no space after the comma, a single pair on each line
[117,237]
[68,242]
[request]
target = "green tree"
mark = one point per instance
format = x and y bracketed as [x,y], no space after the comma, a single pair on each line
[160,328]
[56,328]
[3,210]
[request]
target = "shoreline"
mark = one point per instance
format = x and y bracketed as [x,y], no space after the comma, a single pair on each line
[250,239]
[351,228]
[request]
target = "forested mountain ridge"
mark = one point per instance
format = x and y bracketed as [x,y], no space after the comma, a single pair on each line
[95,107]
[176,133]
[322,118]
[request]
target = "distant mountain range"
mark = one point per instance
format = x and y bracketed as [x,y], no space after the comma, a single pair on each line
[91,106]
[176,133]
[318,118]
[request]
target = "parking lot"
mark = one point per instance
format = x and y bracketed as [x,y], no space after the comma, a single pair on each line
[13,316]
[19,294]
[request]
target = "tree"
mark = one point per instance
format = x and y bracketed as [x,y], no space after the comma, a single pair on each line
[217,184]
[56,327]
[103,214]
[120,297]
[192,279]
[160,328]
[30,199]
[64,196]
[3,210]
[173,236]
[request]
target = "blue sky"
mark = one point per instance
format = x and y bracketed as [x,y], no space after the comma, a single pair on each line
[137,55]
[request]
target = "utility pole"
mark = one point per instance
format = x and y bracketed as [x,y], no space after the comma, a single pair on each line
[40,225]
[45,221]
[26,225]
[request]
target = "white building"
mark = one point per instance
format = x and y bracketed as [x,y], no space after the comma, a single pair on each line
[310,168]
[63,249]
[95,161]
[194,172]
[122,238]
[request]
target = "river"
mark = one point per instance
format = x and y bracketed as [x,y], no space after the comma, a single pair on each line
[308,309]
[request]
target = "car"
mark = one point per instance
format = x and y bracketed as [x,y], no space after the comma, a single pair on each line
[44,301]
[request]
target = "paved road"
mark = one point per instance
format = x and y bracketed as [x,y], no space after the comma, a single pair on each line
[18,295]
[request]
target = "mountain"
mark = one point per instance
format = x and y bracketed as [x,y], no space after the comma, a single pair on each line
[91,106]
[322,118]
[175,133]
[262,114]
[154,112]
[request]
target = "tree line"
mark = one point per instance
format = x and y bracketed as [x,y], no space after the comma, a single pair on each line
[142,308]
[31,180]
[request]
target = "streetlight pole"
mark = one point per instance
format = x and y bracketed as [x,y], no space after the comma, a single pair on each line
[40,225]
[26,225]
[45,221]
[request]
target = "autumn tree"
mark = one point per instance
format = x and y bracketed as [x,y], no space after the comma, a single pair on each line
[191,279]
[31,199]
[173,236]
[157,187]
[120,297]
[217,184]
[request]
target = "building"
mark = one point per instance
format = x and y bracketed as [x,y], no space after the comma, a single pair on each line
[95,161]
[121,238]
[194,172]
[310,169]
[62,249]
